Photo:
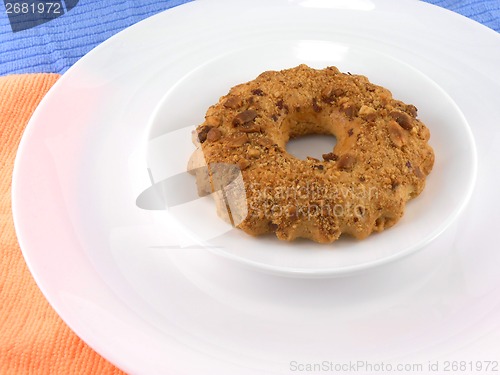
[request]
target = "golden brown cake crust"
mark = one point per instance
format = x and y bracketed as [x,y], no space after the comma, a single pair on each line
[380,161]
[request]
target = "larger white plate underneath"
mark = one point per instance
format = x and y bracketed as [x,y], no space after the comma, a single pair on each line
[124,280]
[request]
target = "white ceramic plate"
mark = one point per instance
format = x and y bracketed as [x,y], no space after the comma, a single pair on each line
[143,290]
[169,147]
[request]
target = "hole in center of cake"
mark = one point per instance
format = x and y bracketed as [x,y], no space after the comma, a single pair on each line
[312,145]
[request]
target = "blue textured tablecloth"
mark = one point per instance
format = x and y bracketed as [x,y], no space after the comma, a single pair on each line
[54,46]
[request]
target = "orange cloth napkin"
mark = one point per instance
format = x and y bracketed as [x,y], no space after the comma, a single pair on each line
[33,339]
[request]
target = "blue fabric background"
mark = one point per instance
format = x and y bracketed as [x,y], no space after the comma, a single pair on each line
[56,45]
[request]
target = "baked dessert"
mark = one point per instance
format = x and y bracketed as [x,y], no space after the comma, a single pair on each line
[380,161]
